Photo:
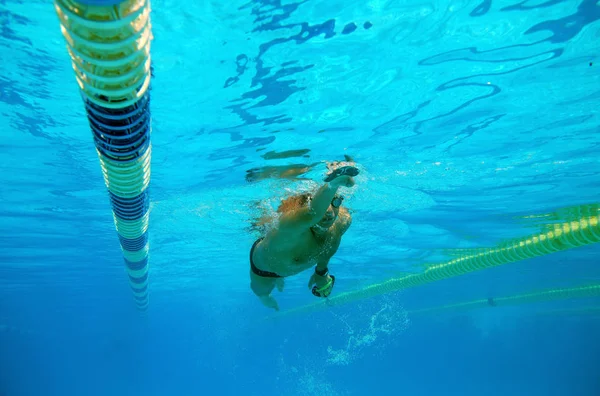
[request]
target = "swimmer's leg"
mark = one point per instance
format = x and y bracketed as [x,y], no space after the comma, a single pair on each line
[280,284]
[262,288]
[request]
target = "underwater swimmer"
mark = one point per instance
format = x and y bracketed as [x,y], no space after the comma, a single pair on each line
[308,233]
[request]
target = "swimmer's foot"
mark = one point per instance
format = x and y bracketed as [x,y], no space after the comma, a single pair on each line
[342,171]
[269,302]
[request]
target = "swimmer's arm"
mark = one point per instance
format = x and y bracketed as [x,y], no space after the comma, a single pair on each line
[345,220]
[323,264]
[321,201]
[303,218]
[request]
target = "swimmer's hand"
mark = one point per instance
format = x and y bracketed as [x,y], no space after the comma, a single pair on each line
[321,285]
[331,166]
[342,176]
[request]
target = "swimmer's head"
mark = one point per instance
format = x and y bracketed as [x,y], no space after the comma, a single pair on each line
[298,201]
[294,202]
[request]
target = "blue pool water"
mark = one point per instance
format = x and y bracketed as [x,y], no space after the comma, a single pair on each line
[468,120]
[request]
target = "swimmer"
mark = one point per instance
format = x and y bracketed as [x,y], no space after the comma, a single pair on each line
[308,234]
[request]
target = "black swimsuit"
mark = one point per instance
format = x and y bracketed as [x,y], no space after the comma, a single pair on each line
[257,271]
